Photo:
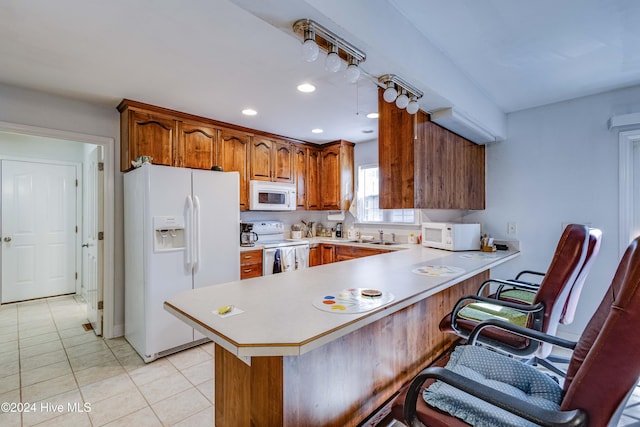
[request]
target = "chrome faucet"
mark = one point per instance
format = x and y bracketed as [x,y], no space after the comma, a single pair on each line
[381,235]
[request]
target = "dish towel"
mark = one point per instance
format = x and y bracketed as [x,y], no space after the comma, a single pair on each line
[277,264]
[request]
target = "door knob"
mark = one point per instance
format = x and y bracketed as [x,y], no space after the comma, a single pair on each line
[85,245]
[7,239]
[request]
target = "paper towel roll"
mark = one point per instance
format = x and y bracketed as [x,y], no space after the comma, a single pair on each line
[335,216]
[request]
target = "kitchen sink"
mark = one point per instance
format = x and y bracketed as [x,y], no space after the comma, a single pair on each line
[384,243]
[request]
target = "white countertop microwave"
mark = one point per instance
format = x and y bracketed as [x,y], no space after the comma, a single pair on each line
[271,196]
[451,236]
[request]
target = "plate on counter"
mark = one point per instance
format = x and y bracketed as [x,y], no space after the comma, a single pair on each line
[438,270]
[353,300]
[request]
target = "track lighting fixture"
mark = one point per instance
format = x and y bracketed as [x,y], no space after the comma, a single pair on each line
[404,95]
[315,38]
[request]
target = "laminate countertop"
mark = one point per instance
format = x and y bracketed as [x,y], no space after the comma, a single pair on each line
[275,315]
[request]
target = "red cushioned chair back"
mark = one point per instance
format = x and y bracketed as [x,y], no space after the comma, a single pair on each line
[595,238]
[562,273]
[605,364]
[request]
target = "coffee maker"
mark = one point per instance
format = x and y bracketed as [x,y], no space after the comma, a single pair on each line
[247,237]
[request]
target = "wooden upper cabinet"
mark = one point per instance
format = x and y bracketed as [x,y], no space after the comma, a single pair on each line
[233,155]
[197,143]
[450,170]
[272,160]
[336,170]
[300,165]
[313,179]
[147,134]
[323,175]
[424,166]
[395,156]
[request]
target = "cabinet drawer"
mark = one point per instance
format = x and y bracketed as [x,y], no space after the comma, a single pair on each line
[250,257]
[252,270]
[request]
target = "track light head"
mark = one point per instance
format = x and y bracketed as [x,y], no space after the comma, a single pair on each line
[352,73]
[390,93]
[310,49]
[332,63]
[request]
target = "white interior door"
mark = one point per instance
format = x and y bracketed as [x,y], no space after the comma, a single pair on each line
[38,230]
[92,261]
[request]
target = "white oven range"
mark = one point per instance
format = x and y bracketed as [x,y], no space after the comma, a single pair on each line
[279,254]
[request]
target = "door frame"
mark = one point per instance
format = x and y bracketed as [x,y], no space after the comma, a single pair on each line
[626,140]
[108,145]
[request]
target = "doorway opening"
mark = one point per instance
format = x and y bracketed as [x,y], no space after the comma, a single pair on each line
[629,160]
[95,206]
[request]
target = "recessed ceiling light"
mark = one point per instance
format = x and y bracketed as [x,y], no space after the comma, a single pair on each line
[372,115]
[317,130]
[306,87]
[367,131]
[249,112]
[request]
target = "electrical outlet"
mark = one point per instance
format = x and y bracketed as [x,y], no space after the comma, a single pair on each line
[512,228]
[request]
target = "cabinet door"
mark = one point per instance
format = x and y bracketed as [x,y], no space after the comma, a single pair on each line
[153,136]
[314,256]
[233,155]
[283,170]
[450,170]
[197,144]
[300,164]
[313,179]
[261,158]
[327,253]
[330,172]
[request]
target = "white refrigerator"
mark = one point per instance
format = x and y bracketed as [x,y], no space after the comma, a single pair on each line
[182,229]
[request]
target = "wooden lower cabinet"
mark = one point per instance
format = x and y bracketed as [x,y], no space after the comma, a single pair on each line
[342,382]
[314,255]
[327,253]
[250,264]
[344,253]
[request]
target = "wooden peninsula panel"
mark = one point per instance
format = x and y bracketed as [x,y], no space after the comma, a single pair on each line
[341,382]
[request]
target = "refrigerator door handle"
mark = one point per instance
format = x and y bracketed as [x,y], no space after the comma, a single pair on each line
[189,233]
[196,233]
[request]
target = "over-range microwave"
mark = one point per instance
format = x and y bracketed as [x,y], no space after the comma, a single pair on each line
[271,196]
[451,236]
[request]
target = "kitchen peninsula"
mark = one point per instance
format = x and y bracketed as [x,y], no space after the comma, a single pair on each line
[281,361]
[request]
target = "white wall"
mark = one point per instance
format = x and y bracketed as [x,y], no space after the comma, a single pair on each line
[27,107]
[559,165]
[18,146]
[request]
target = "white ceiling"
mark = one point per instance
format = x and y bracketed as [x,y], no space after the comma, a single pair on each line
[215,57]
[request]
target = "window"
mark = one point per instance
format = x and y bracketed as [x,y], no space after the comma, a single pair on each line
[368,201]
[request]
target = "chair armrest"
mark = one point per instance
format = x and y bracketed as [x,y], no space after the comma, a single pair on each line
[535,414]
[513,283]
[525,308]
[519,330]
[535,273]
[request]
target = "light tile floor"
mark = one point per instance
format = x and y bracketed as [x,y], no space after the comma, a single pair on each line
[66,376]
